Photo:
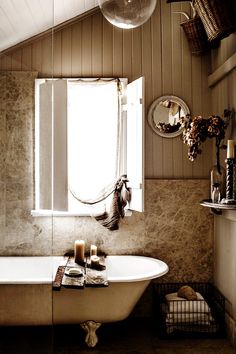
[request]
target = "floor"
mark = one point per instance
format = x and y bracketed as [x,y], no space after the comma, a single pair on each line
[129,337]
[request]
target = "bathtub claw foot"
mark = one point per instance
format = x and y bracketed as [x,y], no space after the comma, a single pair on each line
[90,327]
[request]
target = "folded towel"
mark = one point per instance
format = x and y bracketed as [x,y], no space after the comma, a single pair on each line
[178,304]
[195,318]
[180,310]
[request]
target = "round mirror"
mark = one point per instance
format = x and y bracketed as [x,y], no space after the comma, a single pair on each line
[165,114]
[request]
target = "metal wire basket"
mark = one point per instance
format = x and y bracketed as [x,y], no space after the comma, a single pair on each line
[182,318]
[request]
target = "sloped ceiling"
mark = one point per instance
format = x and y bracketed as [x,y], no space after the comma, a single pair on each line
[22,19]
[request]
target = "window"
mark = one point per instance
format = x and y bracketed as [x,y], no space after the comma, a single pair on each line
[88,132]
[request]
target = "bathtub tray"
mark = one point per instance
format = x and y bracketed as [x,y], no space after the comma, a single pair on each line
[91,277]
[56,285]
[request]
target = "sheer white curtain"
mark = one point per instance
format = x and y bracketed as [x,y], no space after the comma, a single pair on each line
[93,138]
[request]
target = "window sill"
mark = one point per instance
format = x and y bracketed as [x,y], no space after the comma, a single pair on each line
[46,213]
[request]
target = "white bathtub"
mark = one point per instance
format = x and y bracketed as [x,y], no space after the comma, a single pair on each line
[128,277]
[26,296]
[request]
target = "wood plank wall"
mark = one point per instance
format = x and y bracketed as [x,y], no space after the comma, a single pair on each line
[224,92]
[158,50]
[226,49]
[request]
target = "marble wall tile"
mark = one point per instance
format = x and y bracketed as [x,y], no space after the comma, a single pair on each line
[19,90]
[3,79]
[19,145]
[2,204]
[3,142]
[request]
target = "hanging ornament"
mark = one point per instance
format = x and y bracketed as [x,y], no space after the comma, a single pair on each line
[127,13]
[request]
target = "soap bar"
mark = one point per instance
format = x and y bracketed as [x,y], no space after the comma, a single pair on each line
[75,272]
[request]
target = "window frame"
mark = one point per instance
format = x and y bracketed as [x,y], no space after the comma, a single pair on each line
[37,212]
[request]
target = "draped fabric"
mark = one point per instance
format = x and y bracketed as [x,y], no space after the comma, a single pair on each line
[89,156]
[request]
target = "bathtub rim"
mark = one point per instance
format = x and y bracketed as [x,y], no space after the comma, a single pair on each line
[61,260]
[148,276]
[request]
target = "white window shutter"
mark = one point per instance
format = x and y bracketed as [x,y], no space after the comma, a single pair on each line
[60,181]
[135,143]
[43,128]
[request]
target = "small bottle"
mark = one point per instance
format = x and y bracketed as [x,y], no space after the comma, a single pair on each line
[218,175]
[216,197]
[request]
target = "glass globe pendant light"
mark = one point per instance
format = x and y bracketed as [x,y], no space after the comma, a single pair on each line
[127,13]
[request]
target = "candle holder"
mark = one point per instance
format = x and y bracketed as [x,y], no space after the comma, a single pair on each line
[81,263]
[230,180]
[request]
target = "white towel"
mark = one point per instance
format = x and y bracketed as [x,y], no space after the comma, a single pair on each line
[181,310]
[179,304]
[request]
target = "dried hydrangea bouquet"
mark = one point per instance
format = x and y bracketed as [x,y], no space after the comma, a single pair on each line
[197,130]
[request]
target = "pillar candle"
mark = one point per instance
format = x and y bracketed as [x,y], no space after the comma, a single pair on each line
[94,260]
[230,149]
[79,247]
[93,250]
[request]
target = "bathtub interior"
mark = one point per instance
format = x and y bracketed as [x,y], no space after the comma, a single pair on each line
[134,268]
[29,270]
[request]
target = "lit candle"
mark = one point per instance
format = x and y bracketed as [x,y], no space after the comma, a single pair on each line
[230,149]
[94,261]
[93,250]
[79,247]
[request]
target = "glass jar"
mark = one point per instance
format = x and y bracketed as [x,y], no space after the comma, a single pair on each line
[218,177]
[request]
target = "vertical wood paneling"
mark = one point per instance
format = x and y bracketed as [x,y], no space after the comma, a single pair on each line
[156,151]
[127,53]
[186,86]
[136,53]
[57,57]
[87,47]
[157,50]
[47,63]
[146,72]
[166,49]
[177,82]
[167,82]
[16,60]
[6,62]
[26,57]
[76,50]
[117,52]
[97,43]
[197,107]
[107,48]
[66,58]
[36,56]
[206,112]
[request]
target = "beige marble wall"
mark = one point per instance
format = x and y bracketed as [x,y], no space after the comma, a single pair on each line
[174,227]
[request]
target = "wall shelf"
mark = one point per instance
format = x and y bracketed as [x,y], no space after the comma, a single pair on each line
[218,208]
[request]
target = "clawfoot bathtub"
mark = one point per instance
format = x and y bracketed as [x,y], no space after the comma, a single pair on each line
[128,277]
[26,296]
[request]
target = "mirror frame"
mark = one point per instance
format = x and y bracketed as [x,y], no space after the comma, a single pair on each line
[151,122]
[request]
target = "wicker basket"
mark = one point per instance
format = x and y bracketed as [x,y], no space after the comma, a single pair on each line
[196,35]
[217,17]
